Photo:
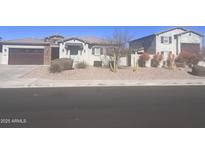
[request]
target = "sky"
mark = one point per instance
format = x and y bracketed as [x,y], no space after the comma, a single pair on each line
[13,32]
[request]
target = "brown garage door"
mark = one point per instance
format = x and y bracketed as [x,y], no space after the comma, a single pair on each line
[21,56]
[190,47]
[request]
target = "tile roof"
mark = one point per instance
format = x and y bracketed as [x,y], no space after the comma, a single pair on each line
[90,40]
[25,41]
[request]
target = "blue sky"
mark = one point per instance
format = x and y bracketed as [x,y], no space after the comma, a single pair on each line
[13,32]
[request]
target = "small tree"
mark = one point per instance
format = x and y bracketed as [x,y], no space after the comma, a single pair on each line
[157,58]
[120,38]
[143,58]
[170,60]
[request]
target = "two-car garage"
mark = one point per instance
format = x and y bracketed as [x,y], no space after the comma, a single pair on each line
[190,47]
[25,52]
[26,56]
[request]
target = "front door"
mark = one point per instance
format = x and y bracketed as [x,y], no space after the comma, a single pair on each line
[54,53]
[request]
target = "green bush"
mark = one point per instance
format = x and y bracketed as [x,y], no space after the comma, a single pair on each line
[81,65]
[55,67]
[198,70]
[58,65]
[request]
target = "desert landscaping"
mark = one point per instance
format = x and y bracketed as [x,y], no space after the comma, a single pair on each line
[126,73]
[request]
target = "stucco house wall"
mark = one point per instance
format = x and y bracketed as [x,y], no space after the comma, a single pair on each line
[189,37]
[0,57]
[81,56]
[166,48]
[85,54]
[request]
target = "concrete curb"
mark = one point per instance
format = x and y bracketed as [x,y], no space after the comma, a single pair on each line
[43,83]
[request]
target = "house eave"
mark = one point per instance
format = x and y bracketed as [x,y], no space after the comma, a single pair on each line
[141,38]
[190,32]
[171,30]
[25,43]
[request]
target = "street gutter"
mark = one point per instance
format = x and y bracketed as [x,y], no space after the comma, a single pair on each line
[44,83]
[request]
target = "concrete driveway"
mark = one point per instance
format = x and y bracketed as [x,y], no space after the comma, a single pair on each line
[12,72]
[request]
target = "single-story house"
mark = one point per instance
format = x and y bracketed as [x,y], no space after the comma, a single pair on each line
[87,49]
[173,40]
[32,51]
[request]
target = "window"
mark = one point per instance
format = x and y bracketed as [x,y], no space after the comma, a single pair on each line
[162,39]
[165,52]
[97,51]
[170,39]
[166,39]
[74,52]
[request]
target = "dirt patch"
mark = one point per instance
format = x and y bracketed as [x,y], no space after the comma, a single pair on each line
[92,73]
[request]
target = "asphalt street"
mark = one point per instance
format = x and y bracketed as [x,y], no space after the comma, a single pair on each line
[104,107]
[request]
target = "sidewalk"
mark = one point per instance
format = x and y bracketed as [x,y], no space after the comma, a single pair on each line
[35,82]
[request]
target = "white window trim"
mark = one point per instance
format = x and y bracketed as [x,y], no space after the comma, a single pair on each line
[99,52]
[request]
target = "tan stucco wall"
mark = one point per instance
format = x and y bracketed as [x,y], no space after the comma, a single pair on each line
[47,55]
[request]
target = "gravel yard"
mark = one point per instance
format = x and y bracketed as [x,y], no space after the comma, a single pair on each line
[92,73]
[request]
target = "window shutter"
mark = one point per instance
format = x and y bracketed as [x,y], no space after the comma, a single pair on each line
[93,51]
[170,39]
[101,51]
[162,39]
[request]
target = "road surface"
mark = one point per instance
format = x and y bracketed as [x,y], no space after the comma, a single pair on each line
[104,107]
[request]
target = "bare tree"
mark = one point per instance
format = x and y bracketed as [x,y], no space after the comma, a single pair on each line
[121,37]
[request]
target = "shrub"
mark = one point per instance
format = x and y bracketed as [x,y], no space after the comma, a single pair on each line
[157,58]
[55,67]
[188,58]
[59,65]
[154,62]
[198,70]
[81,65]
[170,60]
[143,58]
[67,63]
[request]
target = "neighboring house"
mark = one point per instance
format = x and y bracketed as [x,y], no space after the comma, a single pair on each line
[87,49]
[175,40]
